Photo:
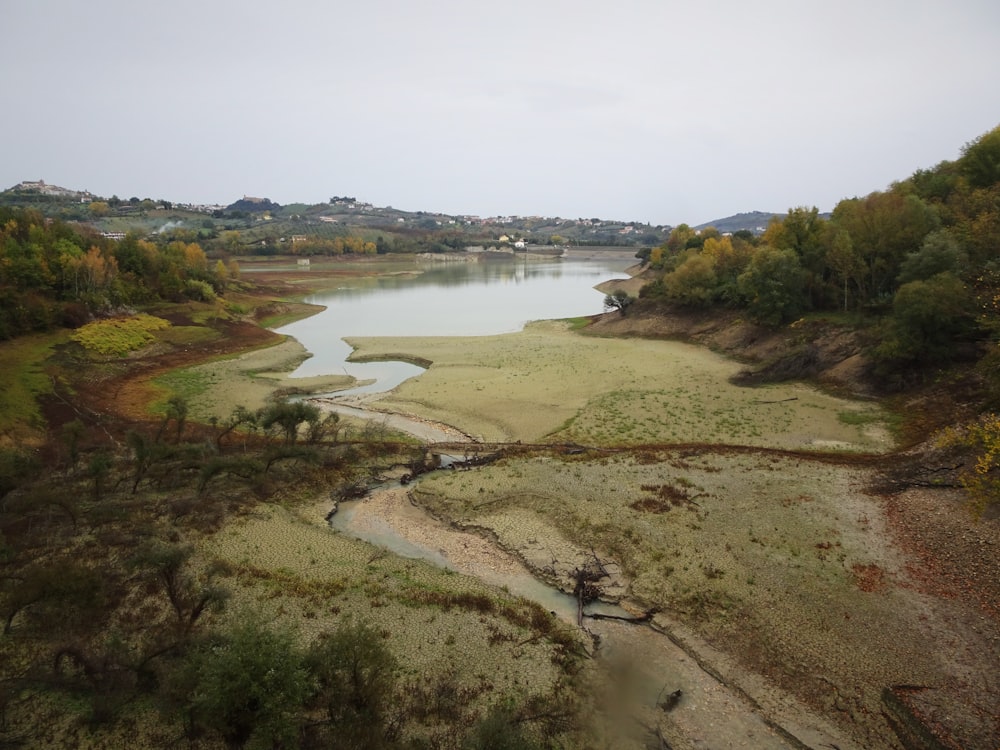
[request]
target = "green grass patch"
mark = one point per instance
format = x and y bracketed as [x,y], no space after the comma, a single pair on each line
[119,336]
[298,311]
[187,383]
[23,380]
[859,418]
[576,324]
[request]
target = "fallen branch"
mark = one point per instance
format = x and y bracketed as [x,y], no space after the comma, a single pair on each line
[623,618]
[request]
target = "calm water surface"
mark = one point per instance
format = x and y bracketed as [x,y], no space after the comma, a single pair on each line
[445,299]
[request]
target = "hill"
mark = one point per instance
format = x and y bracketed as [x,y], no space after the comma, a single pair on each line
[268,227]
[754,221]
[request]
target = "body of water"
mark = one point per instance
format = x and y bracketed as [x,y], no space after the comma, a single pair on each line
[445,299]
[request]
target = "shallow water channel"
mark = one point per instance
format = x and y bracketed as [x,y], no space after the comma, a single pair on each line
[409,531]
[647,663]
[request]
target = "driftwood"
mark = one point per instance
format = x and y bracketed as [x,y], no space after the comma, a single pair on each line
[585,588]
[623,618]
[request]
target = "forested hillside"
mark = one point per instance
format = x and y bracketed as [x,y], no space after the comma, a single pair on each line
[55,274]
[917,264]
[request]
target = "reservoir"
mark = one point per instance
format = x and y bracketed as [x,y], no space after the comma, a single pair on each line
[488,297]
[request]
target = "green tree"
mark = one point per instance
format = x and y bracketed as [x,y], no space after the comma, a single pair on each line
[498,730]
[618,300]
[939,252]
[288,416]
[803,231]
[190,596]
[883,228]
[844,261]
[773,285]
[245,684]
[929,319]
[980,161]
[355,677]
[62,590]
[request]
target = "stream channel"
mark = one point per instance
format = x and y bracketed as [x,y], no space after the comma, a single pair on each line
[494,297]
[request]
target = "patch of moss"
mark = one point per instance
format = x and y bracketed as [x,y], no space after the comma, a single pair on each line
[119,336]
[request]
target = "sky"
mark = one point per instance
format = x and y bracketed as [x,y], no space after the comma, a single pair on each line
[656,111]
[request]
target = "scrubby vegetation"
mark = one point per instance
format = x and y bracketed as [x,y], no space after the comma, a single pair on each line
[127,611]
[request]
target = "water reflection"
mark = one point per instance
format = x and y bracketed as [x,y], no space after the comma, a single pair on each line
[444,299]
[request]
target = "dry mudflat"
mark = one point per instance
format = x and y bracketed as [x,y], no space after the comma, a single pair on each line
[549,383]
[760,544]
[782,573]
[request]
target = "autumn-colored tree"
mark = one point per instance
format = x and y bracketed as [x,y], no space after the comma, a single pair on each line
[693,282]
[981,478]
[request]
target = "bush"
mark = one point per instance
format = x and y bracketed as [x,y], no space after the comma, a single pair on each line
[199,291]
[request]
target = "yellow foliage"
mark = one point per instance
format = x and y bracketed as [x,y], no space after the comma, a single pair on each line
[982,479]
[119,336]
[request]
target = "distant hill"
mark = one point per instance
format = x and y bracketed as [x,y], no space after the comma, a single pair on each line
[253,205]
[755,221]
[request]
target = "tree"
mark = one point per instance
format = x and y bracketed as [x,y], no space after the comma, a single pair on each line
[803,231]
[189,596]
[288,416]
[883,228]
[679,238]
[65,588]
[928,319]
[940,252]
[980,162]
[498,730]
[773,285]
[618,300]
[98,469]
[355,678]
[247,683]
[843,259]
[982,479]
[693,282]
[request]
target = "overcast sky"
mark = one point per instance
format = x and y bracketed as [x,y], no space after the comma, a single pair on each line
[650,110]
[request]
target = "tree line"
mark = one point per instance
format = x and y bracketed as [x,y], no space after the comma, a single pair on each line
[918,262]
